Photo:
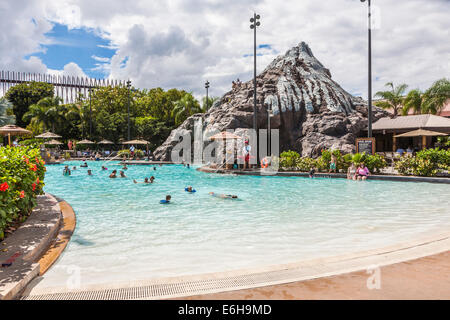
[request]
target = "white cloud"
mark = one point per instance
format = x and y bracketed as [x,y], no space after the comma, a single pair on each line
[182,43]
[70,69]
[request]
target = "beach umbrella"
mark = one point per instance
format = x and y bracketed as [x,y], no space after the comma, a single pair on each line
[421,133]
[48,135]
[136,142]
[106,142]
[53,142]
[12,130]
[225,135]
[85,141]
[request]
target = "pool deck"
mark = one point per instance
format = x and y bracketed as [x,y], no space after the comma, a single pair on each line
[425,278]
[259,172]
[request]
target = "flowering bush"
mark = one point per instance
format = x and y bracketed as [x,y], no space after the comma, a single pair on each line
[22,173]
[426,163]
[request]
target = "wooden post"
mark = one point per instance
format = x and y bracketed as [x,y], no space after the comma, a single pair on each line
[394,142]
[9,139]
[424,142]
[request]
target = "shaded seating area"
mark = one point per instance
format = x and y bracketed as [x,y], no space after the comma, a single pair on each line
[415,132]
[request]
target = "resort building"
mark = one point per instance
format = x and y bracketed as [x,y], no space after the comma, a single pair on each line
[420,131]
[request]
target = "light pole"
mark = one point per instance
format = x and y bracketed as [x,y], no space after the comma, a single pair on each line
[128,109]
[269,113]
[255,23]
[90,113]
[369,118]
[207,87]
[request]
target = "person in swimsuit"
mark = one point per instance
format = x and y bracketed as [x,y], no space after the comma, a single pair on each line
[333,164]
[246,152]
[113,174]
[66,171]
[122,174]
[89,172]
[362,172]
[223,196]
[145,181]
[351,172]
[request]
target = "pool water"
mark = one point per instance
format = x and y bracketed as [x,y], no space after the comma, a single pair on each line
[124,233]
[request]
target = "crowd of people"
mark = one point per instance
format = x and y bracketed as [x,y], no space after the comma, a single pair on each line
[67,172]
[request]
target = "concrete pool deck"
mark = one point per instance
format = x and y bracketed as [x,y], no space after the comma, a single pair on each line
[272,281]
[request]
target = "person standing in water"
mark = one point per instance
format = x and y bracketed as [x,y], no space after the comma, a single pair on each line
[246,152]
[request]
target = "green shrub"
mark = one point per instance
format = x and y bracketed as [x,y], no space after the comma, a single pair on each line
[137,152]
[305,164]
[22,172]
[289,159]
[426,163]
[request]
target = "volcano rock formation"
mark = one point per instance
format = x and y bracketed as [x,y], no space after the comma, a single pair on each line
[311,110]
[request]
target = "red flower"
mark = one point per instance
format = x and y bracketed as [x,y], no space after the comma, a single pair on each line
[4,186]
[26,160]
[37,160]
[37,180]
[34,168]
[34,186]
[22,194]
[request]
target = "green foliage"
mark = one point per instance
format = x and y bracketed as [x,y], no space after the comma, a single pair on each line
[25,94]
[425,163]
[22,174]
[289,159]
[392,98]
[126,152]
[184,108]
[436,96]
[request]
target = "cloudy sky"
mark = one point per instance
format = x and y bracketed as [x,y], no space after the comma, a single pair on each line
[182,43]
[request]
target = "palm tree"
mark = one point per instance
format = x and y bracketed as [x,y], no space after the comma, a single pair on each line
[413,101]
[44,114]
[393,98]
[184,108]
[211,100]
[436,96]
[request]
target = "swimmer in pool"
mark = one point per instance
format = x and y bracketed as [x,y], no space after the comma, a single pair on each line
[113,174]
[104,168]
[223,196]
[168,197]
[66,171]
[145,181]
[89,172]
[125,167]
[189,189]
[122,174]
[74,168]
[84,165]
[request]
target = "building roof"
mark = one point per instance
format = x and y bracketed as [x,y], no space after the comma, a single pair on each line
[421,121]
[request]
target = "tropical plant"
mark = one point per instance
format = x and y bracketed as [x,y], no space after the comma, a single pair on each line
[45,114]
[413,101]
[21,180]
[184,108]
[25,94]
[436,96]
[427,162]
[207,106]
[392,98]
[289,159]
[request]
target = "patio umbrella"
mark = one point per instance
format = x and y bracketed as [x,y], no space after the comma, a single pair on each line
[421,133]
[12,130]
[138,142]
[85,141]
[48,135]
[54,142]
[224,135]
[106,142]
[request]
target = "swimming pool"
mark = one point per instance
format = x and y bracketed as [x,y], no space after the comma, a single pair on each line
[124,233]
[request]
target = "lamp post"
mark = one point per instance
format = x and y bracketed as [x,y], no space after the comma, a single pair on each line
[128,109]
[207,87]
[269,114]
[369,118]
[254,24]
[90,113]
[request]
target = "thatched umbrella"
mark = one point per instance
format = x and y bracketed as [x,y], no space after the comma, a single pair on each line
[12,130]
[48,135]
[85,141]
[54,142]
[421,133]
[142,142]
[106,142]
[223,136]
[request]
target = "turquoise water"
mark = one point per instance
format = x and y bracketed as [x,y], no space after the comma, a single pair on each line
[123,233]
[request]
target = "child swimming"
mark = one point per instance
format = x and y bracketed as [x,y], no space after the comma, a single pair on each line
[223,196]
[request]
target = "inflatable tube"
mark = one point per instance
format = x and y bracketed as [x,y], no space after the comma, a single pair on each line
[264,163]
[164,201]
[186,189]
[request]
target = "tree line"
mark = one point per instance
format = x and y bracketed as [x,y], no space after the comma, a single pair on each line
[430,101]
[104,114]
